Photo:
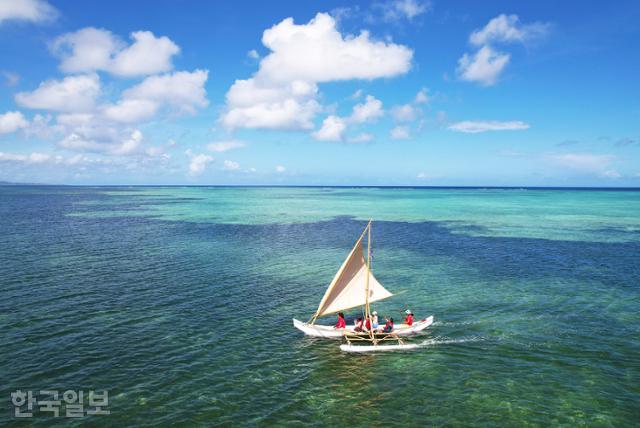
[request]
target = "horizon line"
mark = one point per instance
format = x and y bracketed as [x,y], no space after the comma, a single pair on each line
[337,186]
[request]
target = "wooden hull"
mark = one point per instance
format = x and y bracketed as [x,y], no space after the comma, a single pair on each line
[328,332]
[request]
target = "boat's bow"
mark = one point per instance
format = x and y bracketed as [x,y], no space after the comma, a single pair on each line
[317,330]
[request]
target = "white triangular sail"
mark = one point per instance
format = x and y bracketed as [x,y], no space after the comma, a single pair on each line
[348,288]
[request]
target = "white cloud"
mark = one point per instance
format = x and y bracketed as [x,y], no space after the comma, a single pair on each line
[72,94]
[147,55]
[93,49]
[33,158]
[253,54]
[611,173]
[88,49]
[393,10]
[12,121]
[110,128]
[486,65]
[585,162]
[332,129]
[27,10]
[317,52]
[290,113]
[198,162]
[361,138]
[368,111]
[182,89]
[356,95]
[507,29]
[422,97]
[476,126]
[131,111]
[424,176]
[231,165]
[103,139]
[483,67]
[224,146]
[400,133]
[282,93]
[129,145]
[403,113]
[280,169]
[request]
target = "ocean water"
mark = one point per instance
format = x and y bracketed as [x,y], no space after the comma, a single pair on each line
[178,301]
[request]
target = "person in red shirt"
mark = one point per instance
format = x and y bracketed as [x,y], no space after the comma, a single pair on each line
[358,324]
[341,322]
[367,324]
[409,318]
[388,327]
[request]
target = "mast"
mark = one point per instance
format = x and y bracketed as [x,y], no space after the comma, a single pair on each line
[367,311]
[315,315]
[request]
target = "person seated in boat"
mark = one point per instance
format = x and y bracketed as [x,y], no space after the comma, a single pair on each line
[408,320]
[341,322]
[367,324]
[374,320]
[388,327]
[358,325]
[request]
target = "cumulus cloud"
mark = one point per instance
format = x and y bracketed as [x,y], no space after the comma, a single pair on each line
[484,67]
[27,10]
[73,93]
[394,10]
[230,165]
[111,128]
[422,97]
[198,162]
[611,173]
[129,145]
[33,158]
[253,54]
[317,52]
[103,139]
[282,93]
[476,126]
[12,121]
[182,90]
[368,111]
[403,113]
[331,130]
[508,29]
[93,49]
[130,111]
[225,146]
[280,169]
[333,127]
[400,133]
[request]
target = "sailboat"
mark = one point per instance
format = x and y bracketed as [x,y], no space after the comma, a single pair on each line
[354,285]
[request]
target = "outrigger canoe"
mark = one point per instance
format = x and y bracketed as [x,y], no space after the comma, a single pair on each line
[354,285]
[328,331]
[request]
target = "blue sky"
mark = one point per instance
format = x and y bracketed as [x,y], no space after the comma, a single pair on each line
[397,92]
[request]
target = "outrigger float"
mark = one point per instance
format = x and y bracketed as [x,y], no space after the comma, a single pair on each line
[354,286]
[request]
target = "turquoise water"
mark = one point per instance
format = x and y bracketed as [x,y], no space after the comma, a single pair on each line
[179,300]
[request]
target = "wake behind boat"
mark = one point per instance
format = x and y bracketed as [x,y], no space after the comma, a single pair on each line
[354,285]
